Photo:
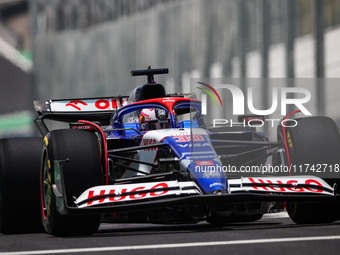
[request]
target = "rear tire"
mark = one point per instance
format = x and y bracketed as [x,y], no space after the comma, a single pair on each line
[19,185]
[81,172]
[315,140]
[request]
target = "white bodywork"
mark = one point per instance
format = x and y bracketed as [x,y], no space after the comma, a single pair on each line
[122,192]
[281,184]
[110,194]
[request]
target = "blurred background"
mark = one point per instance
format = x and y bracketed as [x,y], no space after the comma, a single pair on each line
[86,48]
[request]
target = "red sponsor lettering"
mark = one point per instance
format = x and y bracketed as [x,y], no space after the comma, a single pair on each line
[257,187]
[149,142]
[205,163]
[294,183]
[102,104]
[157,190]
[120,197]
[91,195]
[296,189]
[310,181]
[277,189]
[163,185]
[137,196]
[74,103]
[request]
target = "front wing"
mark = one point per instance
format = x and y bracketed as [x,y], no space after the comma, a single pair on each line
[152,195]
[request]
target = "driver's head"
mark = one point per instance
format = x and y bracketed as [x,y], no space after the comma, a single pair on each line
[152,119]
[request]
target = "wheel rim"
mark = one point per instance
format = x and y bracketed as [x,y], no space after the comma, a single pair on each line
[45,189]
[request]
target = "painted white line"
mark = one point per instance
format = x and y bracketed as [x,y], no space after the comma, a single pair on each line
[175,245]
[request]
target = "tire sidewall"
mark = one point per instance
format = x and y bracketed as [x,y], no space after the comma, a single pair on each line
[59,145]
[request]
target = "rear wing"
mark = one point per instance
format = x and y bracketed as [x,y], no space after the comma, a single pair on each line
[72,110]
[90,109]
[80,105]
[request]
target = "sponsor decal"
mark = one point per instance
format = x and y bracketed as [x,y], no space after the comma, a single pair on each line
[85,127]
[121,194]
[86,105]
[150,142]
[216,184]
[205,163]
[194,145]
[131,192]
[104,104]
[274,185]
[74,104]
[168,100]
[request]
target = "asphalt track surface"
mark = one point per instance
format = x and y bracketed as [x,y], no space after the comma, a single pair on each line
[273,234]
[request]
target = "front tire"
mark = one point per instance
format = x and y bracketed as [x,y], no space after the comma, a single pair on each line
[315,140]
[82,171]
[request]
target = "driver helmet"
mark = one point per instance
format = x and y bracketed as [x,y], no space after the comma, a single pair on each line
[153,119]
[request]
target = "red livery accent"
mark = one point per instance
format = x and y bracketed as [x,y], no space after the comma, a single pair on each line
[91,192]
[276,189]
[150,142]
[113,198]
[103,104]
[205,163]
[310,181]
[137,196]
[283,189]
[74,103]
[154,193]
[285,139]
[260,181]
[105,147]
[100,104]
[163,185]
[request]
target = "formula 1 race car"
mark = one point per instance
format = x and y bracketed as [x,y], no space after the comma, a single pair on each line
[150,157]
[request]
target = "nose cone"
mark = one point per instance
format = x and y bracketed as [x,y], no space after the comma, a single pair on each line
[209,175]
[198,158]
